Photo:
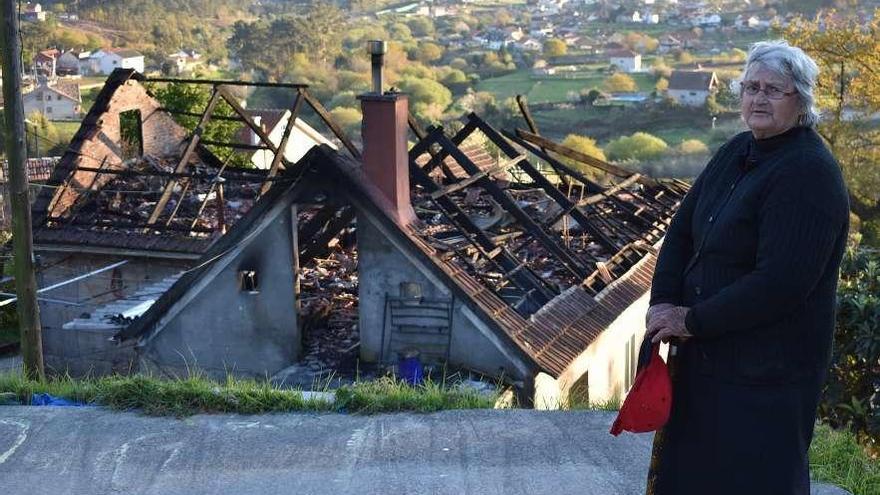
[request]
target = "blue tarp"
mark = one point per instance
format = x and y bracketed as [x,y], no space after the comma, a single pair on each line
[51,400]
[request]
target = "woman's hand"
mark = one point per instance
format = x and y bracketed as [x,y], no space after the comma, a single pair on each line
[655,310]
[667,323]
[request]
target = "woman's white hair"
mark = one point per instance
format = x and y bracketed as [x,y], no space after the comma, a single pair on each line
[790,62]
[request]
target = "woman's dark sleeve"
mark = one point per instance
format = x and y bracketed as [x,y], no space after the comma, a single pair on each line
[677,249]
[797,237]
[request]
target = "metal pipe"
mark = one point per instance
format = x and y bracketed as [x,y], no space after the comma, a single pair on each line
[377,49]
[67,282]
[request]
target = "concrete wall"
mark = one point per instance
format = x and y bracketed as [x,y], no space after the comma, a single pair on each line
[218,328]
[382,267]
[113,61]
[627,64]
[600,372]
[688,98]
[79,352]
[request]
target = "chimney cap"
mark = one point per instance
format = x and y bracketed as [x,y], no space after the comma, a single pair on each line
[377,47]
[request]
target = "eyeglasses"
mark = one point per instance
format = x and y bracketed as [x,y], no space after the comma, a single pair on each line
[772,92]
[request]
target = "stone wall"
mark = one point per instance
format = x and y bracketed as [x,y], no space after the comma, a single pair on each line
[162,138]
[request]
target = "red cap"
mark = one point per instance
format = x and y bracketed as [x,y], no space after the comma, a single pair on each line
[647,406]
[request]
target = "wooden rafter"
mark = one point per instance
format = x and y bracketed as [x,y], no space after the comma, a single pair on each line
[184,159]
[582,157]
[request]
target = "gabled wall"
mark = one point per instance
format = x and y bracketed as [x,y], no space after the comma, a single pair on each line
[216,327]
[382,267]
[162,137]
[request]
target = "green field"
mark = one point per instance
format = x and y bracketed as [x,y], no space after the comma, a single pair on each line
[545,89]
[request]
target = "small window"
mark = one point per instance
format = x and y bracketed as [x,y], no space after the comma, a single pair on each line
[131,134]
[693,93]
[48,109]
[248,282]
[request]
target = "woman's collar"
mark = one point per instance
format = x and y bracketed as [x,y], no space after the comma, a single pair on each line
[775,142]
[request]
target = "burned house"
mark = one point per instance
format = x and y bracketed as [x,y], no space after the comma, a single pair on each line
[520,267]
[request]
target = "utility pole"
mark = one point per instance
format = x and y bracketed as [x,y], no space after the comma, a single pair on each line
[22,239]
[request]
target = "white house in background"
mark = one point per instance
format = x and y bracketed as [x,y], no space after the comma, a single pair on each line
[90,62]
[302,137]
[124,59]
[532,45]
[691,88]
[68,63]
[625,60]
[184,60]
[57,101]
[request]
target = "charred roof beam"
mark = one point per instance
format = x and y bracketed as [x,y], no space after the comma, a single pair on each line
[509,204]
[184,159]
[524,279]
[561,199]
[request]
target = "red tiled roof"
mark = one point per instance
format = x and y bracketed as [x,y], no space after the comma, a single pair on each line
[38,169]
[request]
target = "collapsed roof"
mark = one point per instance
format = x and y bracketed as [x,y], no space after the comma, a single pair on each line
[547,256]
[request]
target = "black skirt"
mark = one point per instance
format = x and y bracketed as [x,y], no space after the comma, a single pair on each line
[732,438]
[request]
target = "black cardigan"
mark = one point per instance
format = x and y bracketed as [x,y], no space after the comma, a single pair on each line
[754,250]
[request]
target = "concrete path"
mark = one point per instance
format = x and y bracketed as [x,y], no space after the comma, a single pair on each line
[48,450]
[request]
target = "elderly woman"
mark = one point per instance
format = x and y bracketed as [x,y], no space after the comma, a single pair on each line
[745,291]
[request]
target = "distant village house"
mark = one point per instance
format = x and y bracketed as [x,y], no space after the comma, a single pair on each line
[625,60]
[691,88]
[59,100]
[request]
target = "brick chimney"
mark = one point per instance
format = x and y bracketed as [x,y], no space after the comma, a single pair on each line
[384,129]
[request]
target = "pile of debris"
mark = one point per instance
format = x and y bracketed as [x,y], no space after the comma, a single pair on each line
[329,313]
[205,201]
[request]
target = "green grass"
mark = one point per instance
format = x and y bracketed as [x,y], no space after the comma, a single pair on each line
[197,394]
[836,457]
[551,88]
[66,127]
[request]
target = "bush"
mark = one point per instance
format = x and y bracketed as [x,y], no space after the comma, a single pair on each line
[692,147]
[348,118]
[852,393]
[620,83]
[586,146]
[639,146]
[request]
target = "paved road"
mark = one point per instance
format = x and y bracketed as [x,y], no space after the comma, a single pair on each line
[93,451]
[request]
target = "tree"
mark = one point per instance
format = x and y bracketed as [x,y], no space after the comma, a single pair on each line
[194,98]
[848,91]
[684,57]
[554,48]
[586,146]
[620,83]
[428,52]
[427,98]
[421,27]
[349,118]
[662,85]
[639,146]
